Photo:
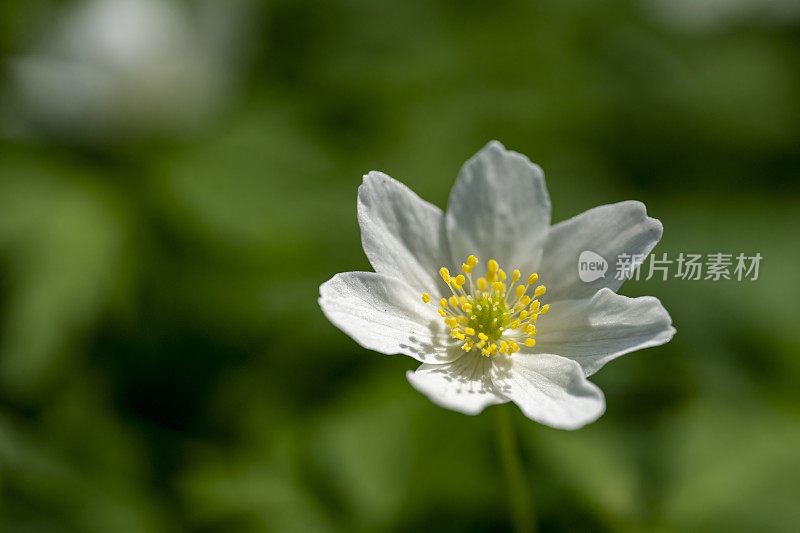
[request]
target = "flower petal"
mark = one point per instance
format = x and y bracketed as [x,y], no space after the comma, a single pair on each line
[386,315]
[607,230]
[464,385]
[498,209]
[596,330]
[549,389]
[402,235]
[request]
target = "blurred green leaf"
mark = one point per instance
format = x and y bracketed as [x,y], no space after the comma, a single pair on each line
[732,469]
[65,256]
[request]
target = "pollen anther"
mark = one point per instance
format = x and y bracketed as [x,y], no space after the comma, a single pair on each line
[488,315]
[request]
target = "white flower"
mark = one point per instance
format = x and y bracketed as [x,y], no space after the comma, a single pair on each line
[110,69]
[485,338]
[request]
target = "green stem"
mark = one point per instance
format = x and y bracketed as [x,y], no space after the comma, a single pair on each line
[519,496]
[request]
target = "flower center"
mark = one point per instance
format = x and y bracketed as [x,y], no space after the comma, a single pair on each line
[487,314]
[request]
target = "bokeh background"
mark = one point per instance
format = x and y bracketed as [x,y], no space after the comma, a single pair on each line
[177,179]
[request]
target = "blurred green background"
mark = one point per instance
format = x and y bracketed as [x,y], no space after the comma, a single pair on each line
[176,180]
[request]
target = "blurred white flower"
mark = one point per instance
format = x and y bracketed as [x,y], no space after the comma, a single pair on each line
[487,339]
[118,69]
[710,15]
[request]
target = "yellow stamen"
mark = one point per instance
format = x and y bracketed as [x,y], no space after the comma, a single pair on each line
[482,316]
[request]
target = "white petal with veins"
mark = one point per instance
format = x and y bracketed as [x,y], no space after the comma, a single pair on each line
[601,328]
[463,385]
[608,230]
[402,235]
[499,208]
[549,389]
[386,315]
